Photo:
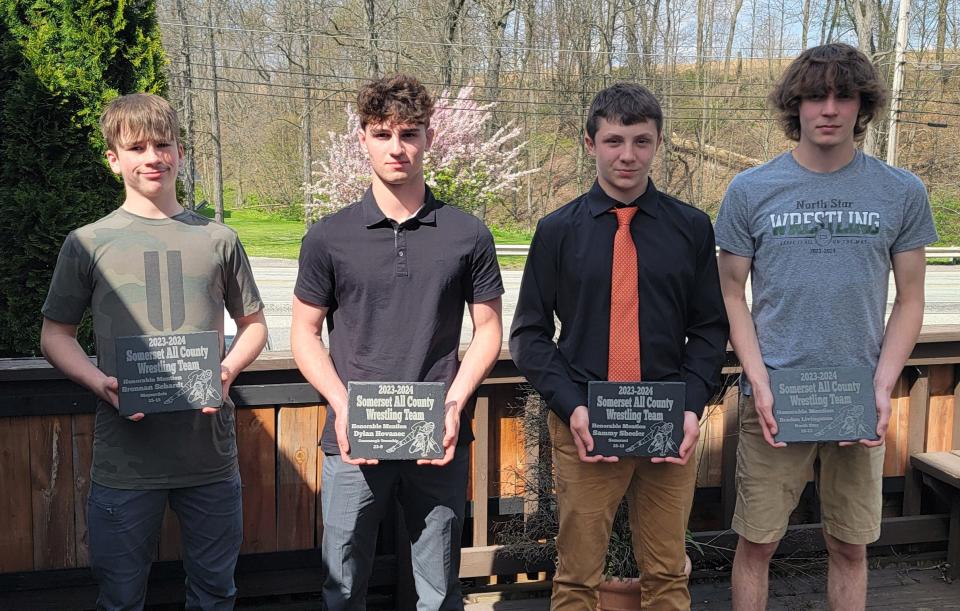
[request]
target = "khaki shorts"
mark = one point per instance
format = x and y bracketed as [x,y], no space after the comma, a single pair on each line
[770,481]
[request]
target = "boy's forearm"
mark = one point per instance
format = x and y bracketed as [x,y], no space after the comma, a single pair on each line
[901,334]
[247,344]
[743,338]
[313,360]
[64,352]
[477,363]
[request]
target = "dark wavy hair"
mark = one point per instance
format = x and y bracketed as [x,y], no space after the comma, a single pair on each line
[837,68]
[624,103]
[394,99]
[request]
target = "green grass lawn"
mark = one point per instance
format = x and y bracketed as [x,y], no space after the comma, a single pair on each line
[267,235]
[263,234]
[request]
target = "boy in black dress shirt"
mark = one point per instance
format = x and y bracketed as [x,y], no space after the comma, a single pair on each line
[682,327]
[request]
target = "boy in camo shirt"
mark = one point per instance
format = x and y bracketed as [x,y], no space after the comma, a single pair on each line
[153,268]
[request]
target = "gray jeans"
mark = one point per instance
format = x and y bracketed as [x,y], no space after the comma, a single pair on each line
[124,527]
[355,500]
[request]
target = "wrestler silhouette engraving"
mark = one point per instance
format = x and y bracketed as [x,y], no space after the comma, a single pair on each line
[199,389]
[660,438]
[848,424]
[420,439]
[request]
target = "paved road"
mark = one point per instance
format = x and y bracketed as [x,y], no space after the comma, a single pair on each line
[276,278]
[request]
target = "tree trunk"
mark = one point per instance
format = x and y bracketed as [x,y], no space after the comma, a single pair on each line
[630,32]
[451,22]
[190,169]
[215,122]
[306,122]
[373,47]
[728,50]
[941,29]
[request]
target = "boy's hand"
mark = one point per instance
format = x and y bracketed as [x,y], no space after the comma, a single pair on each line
[580,429]
[226,380]
[343,440]
[451,432]
[763,403]
[691,433]
[107,390]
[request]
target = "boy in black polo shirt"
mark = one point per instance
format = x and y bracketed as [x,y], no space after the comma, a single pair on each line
[390,275]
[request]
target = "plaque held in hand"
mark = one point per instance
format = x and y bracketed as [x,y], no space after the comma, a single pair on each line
[396,420]
[168,373]
[636,418]
[824,404]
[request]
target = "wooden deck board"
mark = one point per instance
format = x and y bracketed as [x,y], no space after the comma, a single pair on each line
[890,588]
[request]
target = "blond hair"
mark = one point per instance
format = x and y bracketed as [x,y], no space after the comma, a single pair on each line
[139,116]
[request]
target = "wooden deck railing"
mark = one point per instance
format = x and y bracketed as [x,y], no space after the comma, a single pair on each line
[46,429]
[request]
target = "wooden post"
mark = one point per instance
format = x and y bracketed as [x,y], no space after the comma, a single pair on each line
[481,470]
[916,439]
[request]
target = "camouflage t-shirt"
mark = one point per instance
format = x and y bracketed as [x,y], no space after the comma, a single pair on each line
[143,276]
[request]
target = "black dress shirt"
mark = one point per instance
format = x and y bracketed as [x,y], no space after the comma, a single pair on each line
[683,324]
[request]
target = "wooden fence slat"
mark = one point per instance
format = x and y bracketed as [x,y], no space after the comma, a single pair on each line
[16,541]
[256,436]
[895,455]
[507,448]
[942,409]
[481,470]
[82,459]
[916,439]
[709,455]
[731,436]
[51,469]
[296,477]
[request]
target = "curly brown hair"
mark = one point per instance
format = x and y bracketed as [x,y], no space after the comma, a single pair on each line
[394,99]
[837,68]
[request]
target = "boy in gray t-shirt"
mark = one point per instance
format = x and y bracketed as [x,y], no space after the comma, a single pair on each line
[818,230]
[153,268]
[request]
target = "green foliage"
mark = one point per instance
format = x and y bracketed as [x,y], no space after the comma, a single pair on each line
[946,216]
[467,190]
[60,62]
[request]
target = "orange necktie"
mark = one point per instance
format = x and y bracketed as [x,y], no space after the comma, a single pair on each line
[624,356]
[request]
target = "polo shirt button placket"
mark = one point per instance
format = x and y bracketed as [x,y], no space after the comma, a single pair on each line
[400,240]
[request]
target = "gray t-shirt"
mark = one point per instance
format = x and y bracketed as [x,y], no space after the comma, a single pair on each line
[821,245]
[142,276]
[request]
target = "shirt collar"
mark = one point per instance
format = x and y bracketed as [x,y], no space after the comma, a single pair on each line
[599,202]
[374,217]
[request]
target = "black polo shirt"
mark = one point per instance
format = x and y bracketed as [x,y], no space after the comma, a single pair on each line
[396,292]
[683,323]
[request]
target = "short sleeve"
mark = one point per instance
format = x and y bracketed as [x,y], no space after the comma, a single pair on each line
[917,228]
[242,296]
[315,278]
[71,287]
[485,282]
[732,228]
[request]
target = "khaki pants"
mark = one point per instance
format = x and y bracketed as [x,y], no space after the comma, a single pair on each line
[659,496]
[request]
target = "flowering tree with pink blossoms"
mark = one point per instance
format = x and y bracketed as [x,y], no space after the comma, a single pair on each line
[465,167]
